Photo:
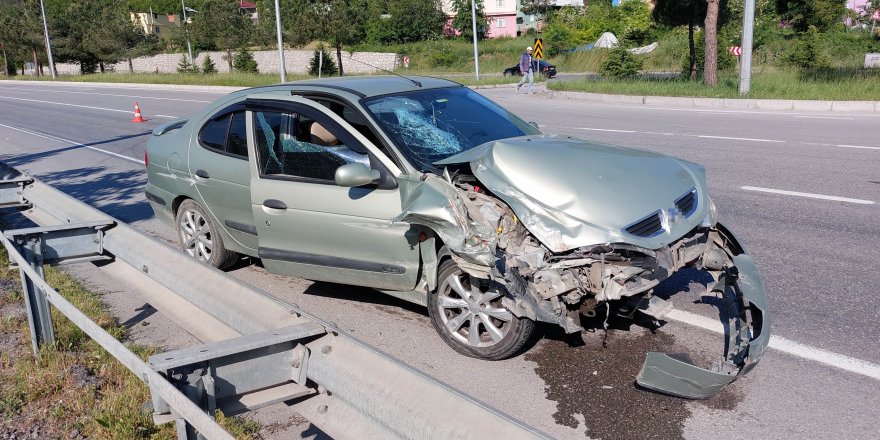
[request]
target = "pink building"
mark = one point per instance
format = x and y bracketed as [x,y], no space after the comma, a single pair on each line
[500,13]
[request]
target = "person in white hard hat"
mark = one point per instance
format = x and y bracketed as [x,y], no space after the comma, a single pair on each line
[525,69]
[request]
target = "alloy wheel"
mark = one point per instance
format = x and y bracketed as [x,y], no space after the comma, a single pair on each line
[472,315]
[196,235]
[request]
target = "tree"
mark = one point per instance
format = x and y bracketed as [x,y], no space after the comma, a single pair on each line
[805,13]
[208,65]
[463,20]
[340,22]
[185,66]
[710,43]
[244,62]
[690,13]
[678,13]
[415,20]
[322,59]
[219,24]
[537,7]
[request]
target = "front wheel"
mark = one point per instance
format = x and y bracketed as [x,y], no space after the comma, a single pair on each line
[468,315]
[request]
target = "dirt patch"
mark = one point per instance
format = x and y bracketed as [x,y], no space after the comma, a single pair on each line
[599,384]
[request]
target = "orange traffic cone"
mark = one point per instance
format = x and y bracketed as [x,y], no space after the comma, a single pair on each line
[137,114]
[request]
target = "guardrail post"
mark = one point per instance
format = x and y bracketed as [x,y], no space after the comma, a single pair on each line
[39,315]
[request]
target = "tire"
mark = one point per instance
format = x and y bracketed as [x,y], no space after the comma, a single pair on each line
[199,238]
[499,334]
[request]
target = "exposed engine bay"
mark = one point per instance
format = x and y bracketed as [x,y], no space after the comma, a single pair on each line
[488,240]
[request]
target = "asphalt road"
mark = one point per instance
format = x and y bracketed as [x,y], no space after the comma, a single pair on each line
[816,245]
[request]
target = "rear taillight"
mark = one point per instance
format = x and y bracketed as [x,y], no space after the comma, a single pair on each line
[146,160]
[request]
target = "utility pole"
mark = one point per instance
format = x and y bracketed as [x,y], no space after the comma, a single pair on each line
[745,73]
[186,30]
[282,68]
[48,44]
[476,54]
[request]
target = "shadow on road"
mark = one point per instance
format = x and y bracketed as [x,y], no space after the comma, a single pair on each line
[17,160]
[119,194]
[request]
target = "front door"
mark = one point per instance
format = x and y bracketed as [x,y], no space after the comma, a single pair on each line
[307,225]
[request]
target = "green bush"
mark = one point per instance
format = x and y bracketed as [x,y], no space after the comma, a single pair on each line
[620,64]
[808,51]
[243,61]
[208,65]
[441,59]
[328,66]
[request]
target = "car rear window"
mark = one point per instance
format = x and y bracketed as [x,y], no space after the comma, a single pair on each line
[213,134]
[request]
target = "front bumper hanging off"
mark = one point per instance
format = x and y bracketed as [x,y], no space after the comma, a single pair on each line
[744,315]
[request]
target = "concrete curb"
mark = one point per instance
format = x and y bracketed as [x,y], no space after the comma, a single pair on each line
[717,103]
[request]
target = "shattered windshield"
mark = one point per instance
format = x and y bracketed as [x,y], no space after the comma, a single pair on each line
[431,125]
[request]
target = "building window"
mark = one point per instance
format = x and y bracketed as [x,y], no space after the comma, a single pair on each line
[500,4]
[158,29]
[500,22]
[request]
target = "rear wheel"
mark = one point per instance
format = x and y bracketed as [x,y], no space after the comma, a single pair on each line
[468,315]
[199,237]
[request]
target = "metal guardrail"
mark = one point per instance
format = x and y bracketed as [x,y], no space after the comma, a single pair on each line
[342,385]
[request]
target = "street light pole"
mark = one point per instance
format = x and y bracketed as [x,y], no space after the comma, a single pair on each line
[282,67]
[745,73]
[476,54]
[48,44]
[186,30]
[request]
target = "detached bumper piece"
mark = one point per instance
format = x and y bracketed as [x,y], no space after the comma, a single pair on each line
[744,314]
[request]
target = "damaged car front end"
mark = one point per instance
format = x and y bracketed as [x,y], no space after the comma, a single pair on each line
[561,223]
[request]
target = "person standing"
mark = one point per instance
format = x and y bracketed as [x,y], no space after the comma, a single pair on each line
[525,68]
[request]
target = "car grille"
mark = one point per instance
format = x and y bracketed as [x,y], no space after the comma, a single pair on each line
[687,203]
[647,227]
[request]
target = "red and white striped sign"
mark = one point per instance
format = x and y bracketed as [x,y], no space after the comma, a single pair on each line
[735,50]
[405,61]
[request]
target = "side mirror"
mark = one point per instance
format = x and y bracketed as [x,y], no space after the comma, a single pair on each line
[355,174]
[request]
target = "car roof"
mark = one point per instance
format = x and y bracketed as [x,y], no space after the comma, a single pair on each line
[361,86]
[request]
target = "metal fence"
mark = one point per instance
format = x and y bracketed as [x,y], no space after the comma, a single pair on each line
[342,385]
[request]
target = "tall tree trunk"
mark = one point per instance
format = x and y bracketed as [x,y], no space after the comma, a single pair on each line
[693,51]
[710,42]
[34,54]
[101,66]
[5,59]
[228,58]
[339,58]
[130,66]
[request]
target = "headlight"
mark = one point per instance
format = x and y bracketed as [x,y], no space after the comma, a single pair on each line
[712,216]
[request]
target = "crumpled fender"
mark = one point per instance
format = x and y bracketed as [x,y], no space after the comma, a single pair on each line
[747,336]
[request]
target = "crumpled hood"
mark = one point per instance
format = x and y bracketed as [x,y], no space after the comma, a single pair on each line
[570,192]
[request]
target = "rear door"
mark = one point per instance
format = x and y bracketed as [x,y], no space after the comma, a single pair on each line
[307,225]
[218,162]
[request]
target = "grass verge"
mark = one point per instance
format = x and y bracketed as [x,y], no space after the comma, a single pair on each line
[74,389]
[766,85]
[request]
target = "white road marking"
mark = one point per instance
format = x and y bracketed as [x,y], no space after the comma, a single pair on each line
[858,146]
[81,106]
[817,144]
[788,346]
[56,138]
[825,117]
[606,129]
[112,94]
[747,112]
[810,195]
[737,138]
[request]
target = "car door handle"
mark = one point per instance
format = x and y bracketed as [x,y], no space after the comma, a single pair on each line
[203,174]
[274,204]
